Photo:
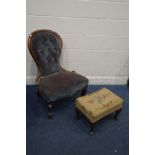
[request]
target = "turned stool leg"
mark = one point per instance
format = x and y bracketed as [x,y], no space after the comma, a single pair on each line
[92,126]
[117,113]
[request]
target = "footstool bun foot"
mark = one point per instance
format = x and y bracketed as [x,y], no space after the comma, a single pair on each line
[92,126]
[117,113]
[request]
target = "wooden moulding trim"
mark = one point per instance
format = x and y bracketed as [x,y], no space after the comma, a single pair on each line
[30,48]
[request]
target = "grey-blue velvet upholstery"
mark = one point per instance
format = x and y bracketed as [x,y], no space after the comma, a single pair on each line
[61,85]
[55,83]
[46,47]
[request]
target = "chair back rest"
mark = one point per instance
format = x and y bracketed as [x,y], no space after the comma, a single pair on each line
[45,47]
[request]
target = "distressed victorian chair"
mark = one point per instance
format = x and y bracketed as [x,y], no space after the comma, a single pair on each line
[52,81]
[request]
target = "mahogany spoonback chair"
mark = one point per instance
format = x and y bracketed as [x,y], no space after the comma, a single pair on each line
[52,81]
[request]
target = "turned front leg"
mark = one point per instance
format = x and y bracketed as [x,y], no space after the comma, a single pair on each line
[50,109]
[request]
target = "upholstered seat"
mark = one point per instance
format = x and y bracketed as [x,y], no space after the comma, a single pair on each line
[53,82]
[57,86]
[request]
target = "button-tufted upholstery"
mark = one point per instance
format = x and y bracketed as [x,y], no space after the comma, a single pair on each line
[46,48]
[54,82]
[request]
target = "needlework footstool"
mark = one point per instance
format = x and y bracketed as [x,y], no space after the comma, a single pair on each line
[97,105]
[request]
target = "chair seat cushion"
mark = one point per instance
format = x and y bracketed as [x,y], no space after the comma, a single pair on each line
[60,85]
[98,104]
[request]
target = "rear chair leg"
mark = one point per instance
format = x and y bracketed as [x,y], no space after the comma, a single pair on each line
[77,113]
[37,91]
[50,110]
[117,113]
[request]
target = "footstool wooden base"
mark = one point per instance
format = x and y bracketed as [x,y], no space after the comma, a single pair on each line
[97,105]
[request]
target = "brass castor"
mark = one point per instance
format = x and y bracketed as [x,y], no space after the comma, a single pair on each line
[50,115]
[91,133]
